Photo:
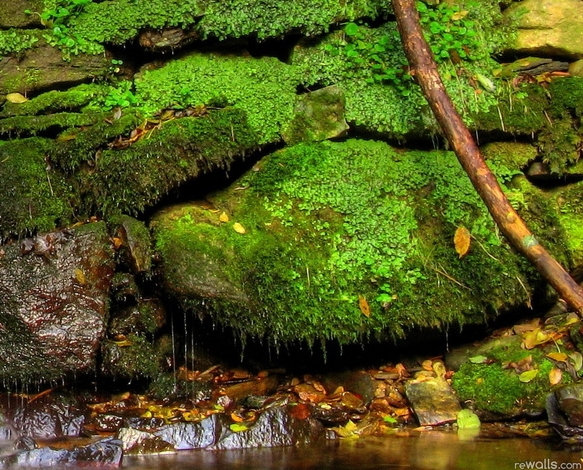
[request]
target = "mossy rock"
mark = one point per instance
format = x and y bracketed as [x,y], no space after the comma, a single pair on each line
[569,206]
[264,88]
[119,22]
[36,197]
[341,241]
[495,386]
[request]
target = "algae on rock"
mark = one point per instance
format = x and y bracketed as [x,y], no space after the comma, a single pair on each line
[341,241]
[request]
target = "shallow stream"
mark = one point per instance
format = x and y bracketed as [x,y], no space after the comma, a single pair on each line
[431,450]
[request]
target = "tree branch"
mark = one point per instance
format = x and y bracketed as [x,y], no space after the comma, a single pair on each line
[424,69]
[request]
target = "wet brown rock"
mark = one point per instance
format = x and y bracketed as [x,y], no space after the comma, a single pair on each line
[433,401]
[54,305]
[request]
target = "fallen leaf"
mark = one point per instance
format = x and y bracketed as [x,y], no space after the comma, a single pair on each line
[224,217]
[439,369]
[555,376]
[238,427]
[577,360]
[528,375]
[467,419]
[533,338]
[237,227]
[459,15]
[478,359]
[557,356]
[427,364]
[364,306]
[461,241]
[16,98]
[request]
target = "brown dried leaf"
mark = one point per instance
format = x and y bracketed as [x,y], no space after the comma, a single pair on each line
[555,376]
[461,241]
[364,306]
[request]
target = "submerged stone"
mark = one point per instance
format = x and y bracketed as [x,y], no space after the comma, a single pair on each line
[106,452]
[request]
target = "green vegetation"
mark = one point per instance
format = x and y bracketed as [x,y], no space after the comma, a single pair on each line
[496,387]
[265,89]
[56,17]
[14,41]
[36,197]
[313,245]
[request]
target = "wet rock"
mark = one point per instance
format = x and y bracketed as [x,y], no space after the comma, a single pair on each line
[12,14]
[559,420]
[185,436]
[54,305]
[141,442]
[570,402]
[319,115]
[166,39]
[274,427]
[433,401]
[107,452]
[45,418]
[261,386]
[548,27]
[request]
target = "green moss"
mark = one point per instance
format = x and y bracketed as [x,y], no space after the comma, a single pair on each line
[35,196]
[54,123]
[567,96]
[569,203]
[496,388]
[264,88]
[129,180]
[73,99]
[136,357]
[118,22]
[327,224]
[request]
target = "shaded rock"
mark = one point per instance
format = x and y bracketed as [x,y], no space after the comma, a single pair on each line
[12,14]
[242,390]
[433,401]
[43,67]
[134,242]
[274,427]
[558,419]
[107,452]
[55,301]
[570,402]
[576,68]
[548,27]
[357,382]
[319,115]
[166,39]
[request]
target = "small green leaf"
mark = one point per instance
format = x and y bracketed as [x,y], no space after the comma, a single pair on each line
[467,419]
[238,427]
[478,359]
[351,29]
[528,375]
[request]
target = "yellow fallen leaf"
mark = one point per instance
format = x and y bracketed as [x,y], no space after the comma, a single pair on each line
[558,356]
[238,228]
[364,306]
[533,338]
[16,98]
[461,241]
[555,376]
[224,217]
[528,375]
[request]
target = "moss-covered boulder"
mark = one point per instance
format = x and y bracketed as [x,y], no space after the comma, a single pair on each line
[344,241]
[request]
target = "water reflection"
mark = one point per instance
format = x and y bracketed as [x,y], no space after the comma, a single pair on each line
[434,450]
